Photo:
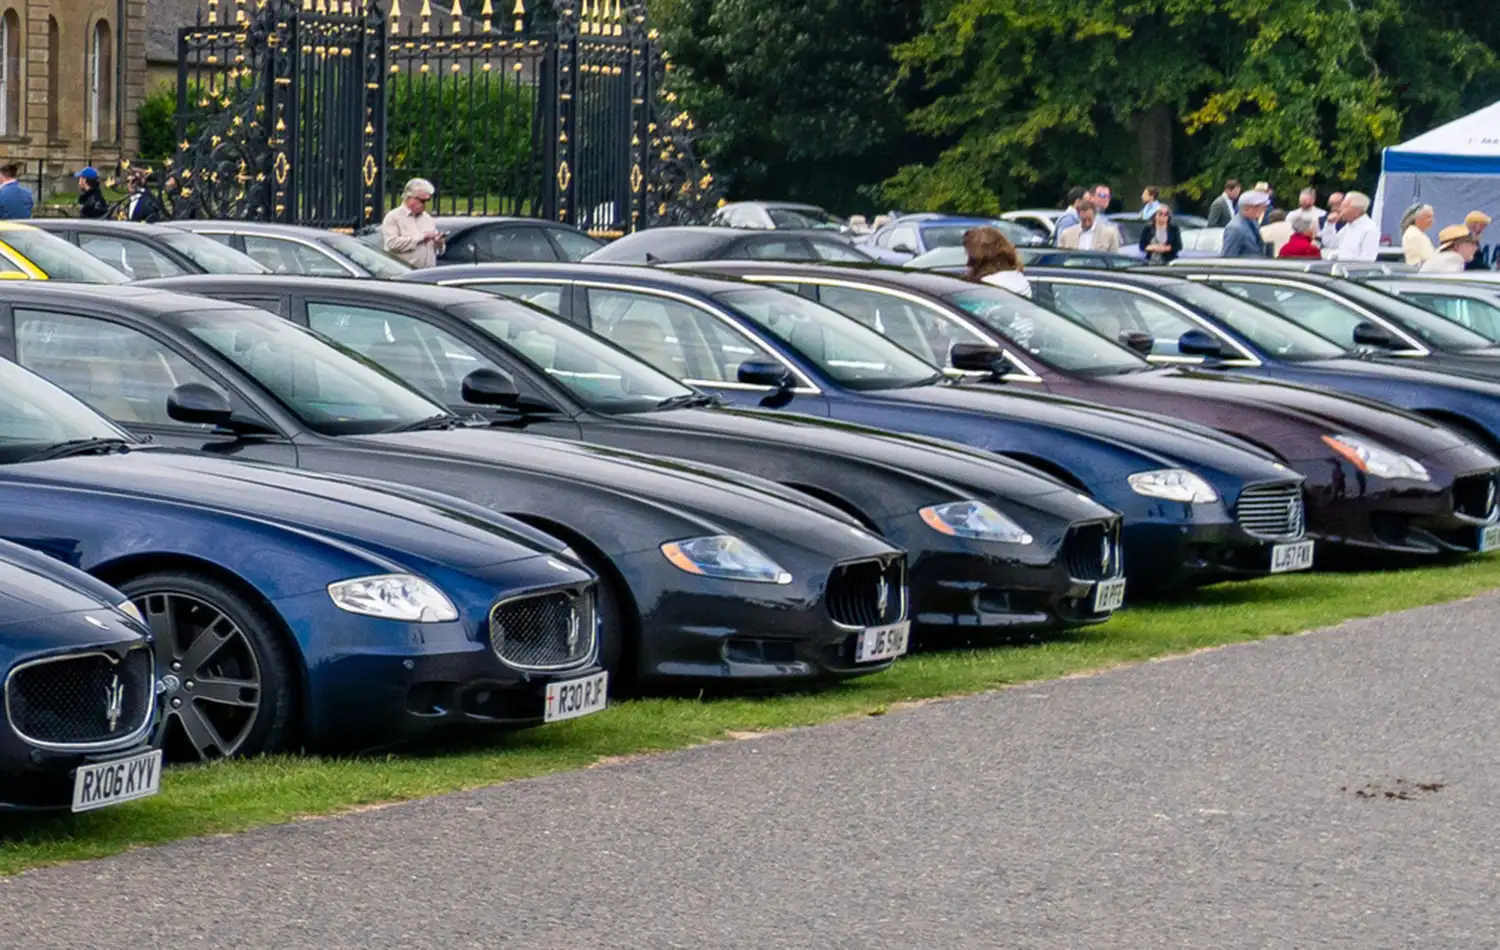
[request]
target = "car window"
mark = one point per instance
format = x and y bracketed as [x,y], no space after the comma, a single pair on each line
[574,246]
[135,259]
[801,218]
[120,372]
[1275,334]
[59,259]
[1325,316]
[1051,338]
[546,296]
[1418,321]
[903,240]
[1110,311]
[827,250]
[1477,315]
[901,321]
[774,249]
[292,257]
[220,237]
[414,351]
[212,256]
[516,244]
[679,339]
[948,235]
[375,261]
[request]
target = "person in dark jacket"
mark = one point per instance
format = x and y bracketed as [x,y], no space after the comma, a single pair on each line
[1221,212]
[1242,235]
[1161,240]
[91,201]
[141,204]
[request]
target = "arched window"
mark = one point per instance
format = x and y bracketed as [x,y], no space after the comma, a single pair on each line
[102,84]
[54,80]
[11,73]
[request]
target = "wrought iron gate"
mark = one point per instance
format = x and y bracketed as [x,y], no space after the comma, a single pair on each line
[318,112]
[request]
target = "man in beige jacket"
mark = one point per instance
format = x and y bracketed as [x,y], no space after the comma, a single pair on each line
[408,231]
[1089,234]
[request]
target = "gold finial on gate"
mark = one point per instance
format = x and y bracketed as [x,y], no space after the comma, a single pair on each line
[519,13]
[457,13]
[213,12]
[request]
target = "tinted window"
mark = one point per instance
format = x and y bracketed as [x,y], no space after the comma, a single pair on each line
[546,296]
[845,349]
[373,260]
[218,237]
[913,326]
[1110,312]
[34,414]
[515,244]
[904,240]
[1047,336]
[210,255]
[1278,336]
[135,259]
[829,250]
[575,246]
[1478,315]
[802,218]
[60,260]
[1423,323]
[292,257]
[945,236]
[121,372]
[679,339]
[775,249]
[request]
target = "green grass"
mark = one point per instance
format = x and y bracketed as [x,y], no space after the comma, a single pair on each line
[228,797]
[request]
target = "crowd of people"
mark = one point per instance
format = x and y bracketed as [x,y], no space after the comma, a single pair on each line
[140,202]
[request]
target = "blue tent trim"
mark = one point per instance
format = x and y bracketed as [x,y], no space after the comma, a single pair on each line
[1433,164]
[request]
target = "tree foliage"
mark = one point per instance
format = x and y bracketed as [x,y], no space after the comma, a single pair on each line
[1029,96]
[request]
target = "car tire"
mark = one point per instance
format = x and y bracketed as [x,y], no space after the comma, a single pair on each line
[225,685]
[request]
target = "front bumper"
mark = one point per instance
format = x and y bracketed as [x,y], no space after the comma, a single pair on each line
[1175,545]
[40,780]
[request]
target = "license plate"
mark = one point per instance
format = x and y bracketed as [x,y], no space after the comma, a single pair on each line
[1489,537]
[882,643]
[1109,596]
[111,783]
[1291,557]
[569,699]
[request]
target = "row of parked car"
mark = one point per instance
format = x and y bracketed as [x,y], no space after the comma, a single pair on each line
[281,507]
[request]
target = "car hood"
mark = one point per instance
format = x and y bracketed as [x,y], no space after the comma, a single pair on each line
[1422,371]
[361,517]
[715,498]
[27,595]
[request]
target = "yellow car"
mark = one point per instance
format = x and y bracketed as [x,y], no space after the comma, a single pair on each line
[27,253]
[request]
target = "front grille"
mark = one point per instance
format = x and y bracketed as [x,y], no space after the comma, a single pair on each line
[868,593]
[1092,552]
[551,631]
[1474,495]
[1272,511]
[86,700]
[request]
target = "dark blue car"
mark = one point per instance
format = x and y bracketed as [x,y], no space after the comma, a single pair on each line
[1179,486]
[292,609]
[80,689]
[1185,322]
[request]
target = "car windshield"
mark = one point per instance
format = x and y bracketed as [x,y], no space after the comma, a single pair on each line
[212,256]
[333,391]
[803,218]
[1274,334]
[595,372]
[1430,328]
[379,263]
[36,415]
[1050,337]
[58,259]
[845,349]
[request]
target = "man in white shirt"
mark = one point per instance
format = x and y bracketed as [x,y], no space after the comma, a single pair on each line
[1332,224]
[409,232]
[1088,234]
[1456,248]
[1360,238]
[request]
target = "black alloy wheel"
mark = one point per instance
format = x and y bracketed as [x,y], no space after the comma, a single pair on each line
[224,687]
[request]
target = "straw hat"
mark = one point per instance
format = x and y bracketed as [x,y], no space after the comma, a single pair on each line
[1453,234]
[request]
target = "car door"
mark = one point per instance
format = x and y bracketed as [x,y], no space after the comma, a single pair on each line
[127,373]
[415,349]
[691,343]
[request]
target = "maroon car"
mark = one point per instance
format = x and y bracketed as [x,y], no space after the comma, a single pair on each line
[1378,478]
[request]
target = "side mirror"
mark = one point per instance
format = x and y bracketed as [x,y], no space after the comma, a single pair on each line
[977,358]
[765,373]
[488,387]
[1368,334]
[903,247]
[1139,341]
[197,404]
[1199,343]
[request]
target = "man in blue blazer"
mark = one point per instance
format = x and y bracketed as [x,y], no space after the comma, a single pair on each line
[16,201]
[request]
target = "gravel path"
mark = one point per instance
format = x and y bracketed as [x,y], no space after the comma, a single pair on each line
[1334,790]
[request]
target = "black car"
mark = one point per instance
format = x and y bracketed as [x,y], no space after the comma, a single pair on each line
[671,245]
[143,251]
[477,240]
[292,249]
[80,689]
[1471,304]
[706,574]
[574,385]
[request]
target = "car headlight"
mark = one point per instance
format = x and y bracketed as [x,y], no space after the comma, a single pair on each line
[726,558]
[1173,484]
[393,597]
[132,611]
[1375,459]
[974,520]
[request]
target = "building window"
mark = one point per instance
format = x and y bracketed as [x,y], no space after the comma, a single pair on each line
[11,73]
[101,84]
[54,80]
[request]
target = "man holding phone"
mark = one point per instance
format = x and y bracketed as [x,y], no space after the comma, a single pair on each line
[408,231]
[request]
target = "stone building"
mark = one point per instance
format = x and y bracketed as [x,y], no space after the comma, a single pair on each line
[72,73]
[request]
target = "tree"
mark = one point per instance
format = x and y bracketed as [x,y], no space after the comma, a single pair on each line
[798,99]
[1031,96]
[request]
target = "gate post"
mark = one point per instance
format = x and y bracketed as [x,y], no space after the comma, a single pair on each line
[561,182]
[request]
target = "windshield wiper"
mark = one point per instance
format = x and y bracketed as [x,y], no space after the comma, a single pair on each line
[442,421]
[73,447]
[688,401]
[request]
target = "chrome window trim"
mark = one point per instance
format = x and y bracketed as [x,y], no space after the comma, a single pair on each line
[114,744]
[1414,346]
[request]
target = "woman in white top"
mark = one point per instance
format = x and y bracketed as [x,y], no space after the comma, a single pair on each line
[994,260]
[1414,240]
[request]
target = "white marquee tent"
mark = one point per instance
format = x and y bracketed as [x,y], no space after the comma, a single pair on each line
[1455,168]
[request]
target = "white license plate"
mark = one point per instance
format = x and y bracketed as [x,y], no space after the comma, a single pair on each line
[1489,537]
[123,780]
[882,643]
[1291,557]
[569,699]
[1109,596]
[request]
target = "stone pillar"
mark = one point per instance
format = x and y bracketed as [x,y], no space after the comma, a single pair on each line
[134,31]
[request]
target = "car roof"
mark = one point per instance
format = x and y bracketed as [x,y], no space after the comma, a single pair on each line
[1136,276]
[138,299]
[657,276]
[15,226]
[788,205]
[288,283]
[925,281]
[1306,277]
[101,225]
[474,221]
[250,227]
